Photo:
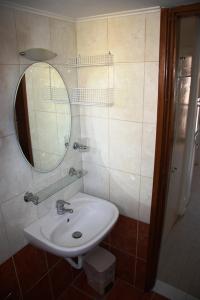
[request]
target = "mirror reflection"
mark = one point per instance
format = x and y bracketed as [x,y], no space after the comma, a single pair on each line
[43,116]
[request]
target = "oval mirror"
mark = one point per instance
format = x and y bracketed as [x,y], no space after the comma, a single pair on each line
[42,116]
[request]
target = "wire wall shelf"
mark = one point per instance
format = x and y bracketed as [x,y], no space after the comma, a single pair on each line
[89,96]
[92,60]
[58,95]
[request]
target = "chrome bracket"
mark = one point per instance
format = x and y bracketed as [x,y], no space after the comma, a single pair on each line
[74,172]
[30,197]
[80,147]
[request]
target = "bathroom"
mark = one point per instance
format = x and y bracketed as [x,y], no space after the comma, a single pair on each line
[96,134]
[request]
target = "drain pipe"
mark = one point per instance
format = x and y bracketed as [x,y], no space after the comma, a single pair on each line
[75,265]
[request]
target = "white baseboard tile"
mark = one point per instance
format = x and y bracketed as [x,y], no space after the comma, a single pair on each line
[171,292]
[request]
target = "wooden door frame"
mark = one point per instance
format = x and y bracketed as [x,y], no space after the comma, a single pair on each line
[165,130]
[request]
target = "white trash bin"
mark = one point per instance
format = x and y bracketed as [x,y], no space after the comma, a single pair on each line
[99,266]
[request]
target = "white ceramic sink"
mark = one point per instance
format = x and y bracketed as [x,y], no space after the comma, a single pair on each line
[93,217]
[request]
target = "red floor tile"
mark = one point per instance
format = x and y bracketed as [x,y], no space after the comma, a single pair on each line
[125,266]
[51,260]
[61,277]
[147,296]
[41,291]
[143,237]
[122,290]
[73,294]
[140,274]
[8,281]
[81,284]
[31,266]
[124,235]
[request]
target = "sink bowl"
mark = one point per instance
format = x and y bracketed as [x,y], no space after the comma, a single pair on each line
[92,218]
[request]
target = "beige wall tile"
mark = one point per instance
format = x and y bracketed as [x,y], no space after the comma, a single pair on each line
[125,146]
[93,77]
[92,37]
[96,182]
[95,130]
[75,133]
[126,38]
[32,32]
[128,95]
[18,215]
[148,149]
[94,111]
[15,175]
[124,192]
[5,252]
[70,78]
[8,49]
[150,92]
[152,36]
[9,76]
[63,40]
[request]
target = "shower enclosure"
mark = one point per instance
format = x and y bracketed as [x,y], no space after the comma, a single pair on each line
[179,263]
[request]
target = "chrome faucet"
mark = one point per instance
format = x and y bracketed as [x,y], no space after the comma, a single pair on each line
[61,209]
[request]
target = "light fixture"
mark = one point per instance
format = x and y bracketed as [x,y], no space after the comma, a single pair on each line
[38,54]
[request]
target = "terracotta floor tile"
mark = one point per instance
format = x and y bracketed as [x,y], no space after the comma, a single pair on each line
[75,273]
[81,284]
[51,259]
[140,274]
[122,290]
[124,235]
[143,238]
[31,266]
[147,296]
[41,291]
[73,294]
[125,266]
[8,281]
[61,277]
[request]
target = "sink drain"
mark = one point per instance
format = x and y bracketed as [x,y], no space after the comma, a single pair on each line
[77,234]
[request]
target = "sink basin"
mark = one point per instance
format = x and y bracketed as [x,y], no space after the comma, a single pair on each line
[92,218]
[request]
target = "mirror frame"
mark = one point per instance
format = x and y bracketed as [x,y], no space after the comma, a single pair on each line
[15,122]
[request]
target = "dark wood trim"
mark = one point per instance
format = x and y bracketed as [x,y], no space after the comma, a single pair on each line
[165,130]
[22,121]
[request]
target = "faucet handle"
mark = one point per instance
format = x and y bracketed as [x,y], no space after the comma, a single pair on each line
[61,209]
[61,203]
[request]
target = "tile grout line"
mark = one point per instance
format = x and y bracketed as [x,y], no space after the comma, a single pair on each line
[50,286]
[135,269]
[16,274]
[141,149]
[82,292]
[143,104]
[114,169]
[108,117]
[48,275]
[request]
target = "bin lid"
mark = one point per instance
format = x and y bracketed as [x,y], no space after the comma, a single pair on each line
[100,259]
